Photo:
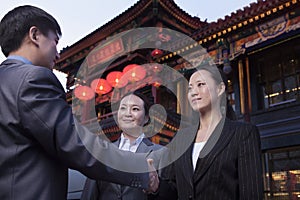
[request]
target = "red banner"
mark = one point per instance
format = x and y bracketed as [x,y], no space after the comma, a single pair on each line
[105,53]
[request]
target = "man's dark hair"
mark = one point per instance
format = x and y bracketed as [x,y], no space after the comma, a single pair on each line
[16,24]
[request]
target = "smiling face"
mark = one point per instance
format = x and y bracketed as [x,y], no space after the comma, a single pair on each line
[203,91]
[131,115]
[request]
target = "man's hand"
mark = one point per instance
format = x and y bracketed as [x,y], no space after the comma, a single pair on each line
[153,177]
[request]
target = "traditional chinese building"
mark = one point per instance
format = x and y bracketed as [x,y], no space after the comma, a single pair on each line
[257,46]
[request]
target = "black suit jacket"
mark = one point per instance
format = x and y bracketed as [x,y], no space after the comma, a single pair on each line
[231,169]
[102,190]
[40,139]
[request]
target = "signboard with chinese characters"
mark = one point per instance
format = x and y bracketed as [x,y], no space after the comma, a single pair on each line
[104,53]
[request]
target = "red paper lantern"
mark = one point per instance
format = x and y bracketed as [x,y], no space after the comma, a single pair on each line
[156,53]
[134,72]
[157,68]
[100,86]
[84,92]
[116,79]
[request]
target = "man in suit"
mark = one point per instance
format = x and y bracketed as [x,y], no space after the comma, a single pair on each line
[132,115]
[40,138]
[97,190]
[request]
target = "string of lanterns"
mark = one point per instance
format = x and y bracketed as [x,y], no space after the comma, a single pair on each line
[115,79]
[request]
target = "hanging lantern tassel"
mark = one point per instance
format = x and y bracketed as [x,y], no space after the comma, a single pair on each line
[227,68]
[156,82]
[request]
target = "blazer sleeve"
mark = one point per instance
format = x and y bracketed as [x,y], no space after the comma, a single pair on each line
[167,189]
[47,118]
[249,164]
[90,190]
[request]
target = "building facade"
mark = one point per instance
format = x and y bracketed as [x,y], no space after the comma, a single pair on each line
[257,46]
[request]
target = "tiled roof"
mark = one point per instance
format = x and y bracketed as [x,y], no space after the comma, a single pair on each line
[242,17]
[88,42]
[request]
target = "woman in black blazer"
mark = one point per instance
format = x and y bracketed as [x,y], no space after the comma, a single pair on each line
[223,160]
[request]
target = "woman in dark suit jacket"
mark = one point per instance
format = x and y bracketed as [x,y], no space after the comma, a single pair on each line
[224,160]
[132,115]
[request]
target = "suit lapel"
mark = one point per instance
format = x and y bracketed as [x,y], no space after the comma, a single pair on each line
[183,142]
[145,146]
[215,144]
[187,165]
[117,187]
[117,142]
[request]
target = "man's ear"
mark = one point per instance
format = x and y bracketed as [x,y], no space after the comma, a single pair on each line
[34,35]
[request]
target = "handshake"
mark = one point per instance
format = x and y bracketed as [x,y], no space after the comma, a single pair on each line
[153,178]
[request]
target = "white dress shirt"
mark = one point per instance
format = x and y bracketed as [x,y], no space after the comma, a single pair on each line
[196,151]
[127,146]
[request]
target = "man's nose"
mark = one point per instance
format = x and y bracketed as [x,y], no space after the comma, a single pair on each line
[57,56]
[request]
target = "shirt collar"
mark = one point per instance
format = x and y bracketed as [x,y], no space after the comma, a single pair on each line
[20,58]
[137,141]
